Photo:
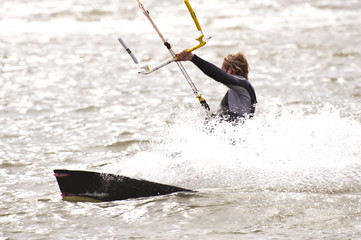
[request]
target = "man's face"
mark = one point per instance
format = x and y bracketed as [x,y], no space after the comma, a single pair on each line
[224,69]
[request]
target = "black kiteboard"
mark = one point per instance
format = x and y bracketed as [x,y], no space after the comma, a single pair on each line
[95,186]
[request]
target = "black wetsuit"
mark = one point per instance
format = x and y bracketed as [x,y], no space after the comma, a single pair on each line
[240,99]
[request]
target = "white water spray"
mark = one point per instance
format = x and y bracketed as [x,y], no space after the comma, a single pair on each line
[291,151]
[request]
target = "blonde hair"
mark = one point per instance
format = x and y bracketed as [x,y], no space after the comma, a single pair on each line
[237,62]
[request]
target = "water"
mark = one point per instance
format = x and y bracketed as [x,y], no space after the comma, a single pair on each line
[71,98]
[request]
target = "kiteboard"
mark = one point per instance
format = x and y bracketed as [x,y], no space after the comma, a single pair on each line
[76,185]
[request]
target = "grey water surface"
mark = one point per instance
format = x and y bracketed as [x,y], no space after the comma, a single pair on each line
[71,97]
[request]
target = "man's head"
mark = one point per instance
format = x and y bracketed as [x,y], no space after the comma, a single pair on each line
[236,64]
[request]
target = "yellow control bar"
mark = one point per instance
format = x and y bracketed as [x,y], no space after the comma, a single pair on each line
[200,38]
[190,9]
[201,44]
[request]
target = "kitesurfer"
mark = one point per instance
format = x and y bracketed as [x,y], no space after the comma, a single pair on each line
[240,100]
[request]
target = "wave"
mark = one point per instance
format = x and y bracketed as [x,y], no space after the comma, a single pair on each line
[288,150]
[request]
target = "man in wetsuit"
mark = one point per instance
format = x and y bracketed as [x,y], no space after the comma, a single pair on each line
[240,100]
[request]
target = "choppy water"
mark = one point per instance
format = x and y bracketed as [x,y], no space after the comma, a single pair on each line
[71,98]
